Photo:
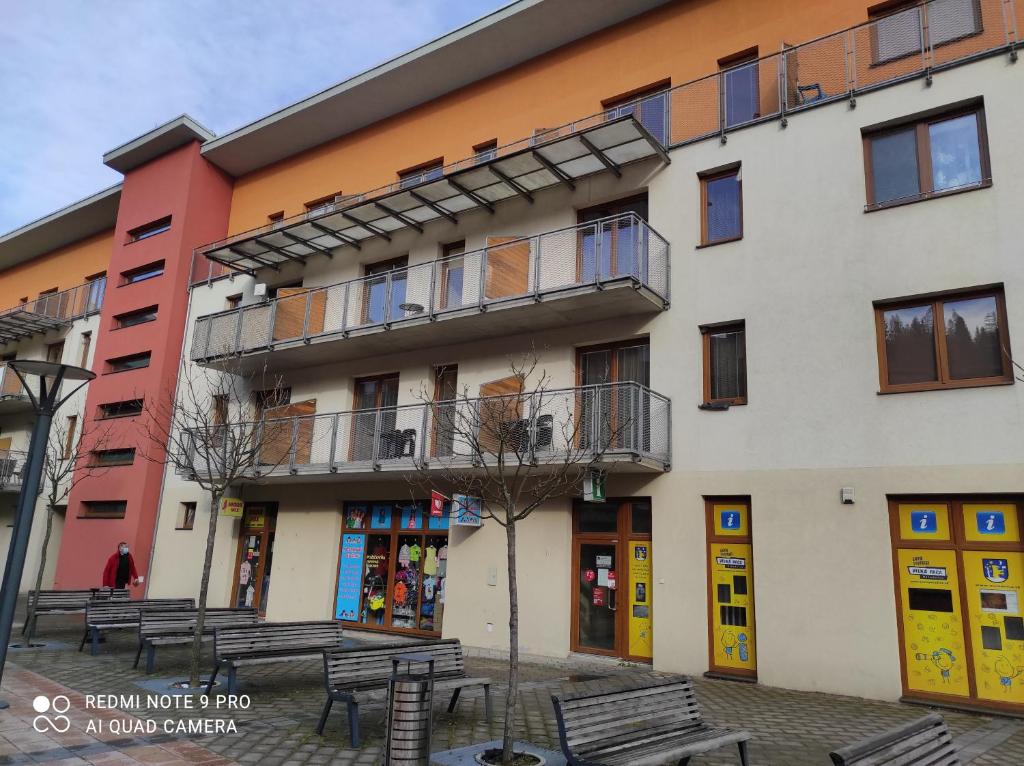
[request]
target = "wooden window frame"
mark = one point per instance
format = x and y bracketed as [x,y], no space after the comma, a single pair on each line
[97,462]
[637,94]
[706,331]
[706,177]
[378,269]
[275,217]
[920,123]
[120,318]
[69,437]
[311,205]
[446,254]
[488,148]
[939,330]
[409,173]
[151,229]
[733,61]
[86,347]
[86,513]
[187,516]
[115,365]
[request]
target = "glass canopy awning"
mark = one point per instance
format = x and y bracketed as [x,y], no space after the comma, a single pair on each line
[20,323]
[559,156]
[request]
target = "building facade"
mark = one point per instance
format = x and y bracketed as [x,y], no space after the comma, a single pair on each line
[681,213]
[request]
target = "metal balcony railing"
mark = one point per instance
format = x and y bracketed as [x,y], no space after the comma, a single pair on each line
[52,311]
[622,247]
[606,423]
[12,464]
[915,42]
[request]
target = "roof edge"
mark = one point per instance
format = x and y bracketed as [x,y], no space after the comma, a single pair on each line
[162,139]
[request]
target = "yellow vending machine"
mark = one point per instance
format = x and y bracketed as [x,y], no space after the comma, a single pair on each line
[732,648]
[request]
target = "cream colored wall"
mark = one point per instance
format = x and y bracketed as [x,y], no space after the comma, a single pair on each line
[803,278]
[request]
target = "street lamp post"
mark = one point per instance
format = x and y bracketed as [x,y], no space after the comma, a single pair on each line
[45,404]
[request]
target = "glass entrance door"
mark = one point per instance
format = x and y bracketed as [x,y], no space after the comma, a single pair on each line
[612,586]
[255,556]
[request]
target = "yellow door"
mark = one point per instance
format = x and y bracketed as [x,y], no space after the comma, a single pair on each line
[931,616]
[994,580]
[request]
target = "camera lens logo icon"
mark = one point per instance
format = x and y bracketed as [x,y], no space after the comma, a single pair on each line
[51,714]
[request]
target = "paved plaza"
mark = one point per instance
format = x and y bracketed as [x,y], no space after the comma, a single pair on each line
[790,728]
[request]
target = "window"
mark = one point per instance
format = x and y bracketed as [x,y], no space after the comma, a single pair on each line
[186,516]
[926,157]
[739,87]
[132,362]
[142,273]
[261,401]
[725,363]
[901,28]
[219,409]
[109,457]
[132,318]
[453,273]
[947,340]
[320,205]
[234,301]
[103,509]
[486,151]
[83,360]
[276,217]
[383,279]
[69,436]
[721,204]
[55,352]
[125,409]
[97,287]
[649,105]
[428,171]
[149,230]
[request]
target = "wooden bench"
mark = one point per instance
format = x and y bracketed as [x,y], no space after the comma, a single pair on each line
[168,627]
[649,724]
[924,741]
[270,642]
[352,674]
[67,601]
[113,614]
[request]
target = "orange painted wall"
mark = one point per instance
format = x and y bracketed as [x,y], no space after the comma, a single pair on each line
[682,41]
[62,268]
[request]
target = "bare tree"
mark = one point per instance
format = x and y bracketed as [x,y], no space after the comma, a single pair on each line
[212,432]
[516,451]
[69,460]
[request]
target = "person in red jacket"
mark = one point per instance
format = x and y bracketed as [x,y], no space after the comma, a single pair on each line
[120,569]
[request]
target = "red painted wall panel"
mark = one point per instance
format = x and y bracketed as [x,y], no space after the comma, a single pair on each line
[197,196]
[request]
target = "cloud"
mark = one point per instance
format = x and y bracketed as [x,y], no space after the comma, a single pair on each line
[79,78]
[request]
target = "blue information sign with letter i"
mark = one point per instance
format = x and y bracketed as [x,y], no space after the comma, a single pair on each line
[923,521]
[730,519]
[991,523]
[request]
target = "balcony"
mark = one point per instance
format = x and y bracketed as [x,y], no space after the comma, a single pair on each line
[604,269]
[51,311]
[12,463]
[13,397]
[624,426]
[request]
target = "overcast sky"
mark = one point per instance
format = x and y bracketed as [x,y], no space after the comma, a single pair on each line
[80,77]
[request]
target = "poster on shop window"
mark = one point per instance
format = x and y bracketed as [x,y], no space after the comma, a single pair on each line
[640,600]
[350,572]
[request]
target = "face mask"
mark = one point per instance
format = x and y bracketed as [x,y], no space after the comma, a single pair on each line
[123,549]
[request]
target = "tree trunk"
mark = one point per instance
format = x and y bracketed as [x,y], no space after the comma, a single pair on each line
[204,587]
[30,631]
[512,695]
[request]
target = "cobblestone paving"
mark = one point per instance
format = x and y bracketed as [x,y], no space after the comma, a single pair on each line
[790,728]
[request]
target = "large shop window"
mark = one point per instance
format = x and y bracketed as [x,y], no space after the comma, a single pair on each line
[392,566]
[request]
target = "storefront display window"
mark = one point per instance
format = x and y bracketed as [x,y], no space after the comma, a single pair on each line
[392,566]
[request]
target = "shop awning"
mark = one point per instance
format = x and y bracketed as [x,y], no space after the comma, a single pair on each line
[552,157]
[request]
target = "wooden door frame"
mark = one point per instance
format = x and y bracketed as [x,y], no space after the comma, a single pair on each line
[620,539]
[271,507]
[710,501]
[387,266]
[380,378]
[610,206]
[957,543]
